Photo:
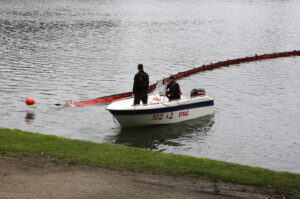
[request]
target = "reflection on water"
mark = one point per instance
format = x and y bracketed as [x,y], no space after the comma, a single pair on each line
[170,135]
[30,116]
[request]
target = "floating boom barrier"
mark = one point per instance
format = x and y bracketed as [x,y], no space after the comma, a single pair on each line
[180,75]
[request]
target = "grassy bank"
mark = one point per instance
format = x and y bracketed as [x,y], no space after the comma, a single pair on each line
[140,160]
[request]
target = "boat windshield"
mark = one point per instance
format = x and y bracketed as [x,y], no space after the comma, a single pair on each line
[160,88]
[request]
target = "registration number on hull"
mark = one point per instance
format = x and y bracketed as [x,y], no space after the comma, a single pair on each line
[160,116]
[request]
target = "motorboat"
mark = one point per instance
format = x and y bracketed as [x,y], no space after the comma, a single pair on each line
[159,110]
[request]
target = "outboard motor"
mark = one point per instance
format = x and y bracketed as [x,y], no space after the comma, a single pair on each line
[198,92]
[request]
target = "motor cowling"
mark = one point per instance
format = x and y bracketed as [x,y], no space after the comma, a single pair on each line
[198,92]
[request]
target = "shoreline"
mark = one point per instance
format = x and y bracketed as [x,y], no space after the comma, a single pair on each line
[23,145]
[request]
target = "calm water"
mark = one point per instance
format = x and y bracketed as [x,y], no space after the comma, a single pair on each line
[54,51]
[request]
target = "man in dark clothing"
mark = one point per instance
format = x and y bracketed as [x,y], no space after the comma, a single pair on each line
[140,86]
[173,89]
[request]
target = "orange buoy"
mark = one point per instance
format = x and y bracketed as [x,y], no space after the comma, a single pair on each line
[29,101]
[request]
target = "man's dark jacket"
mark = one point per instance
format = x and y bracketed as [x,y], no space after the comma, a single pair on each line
[173,91]
[141,83]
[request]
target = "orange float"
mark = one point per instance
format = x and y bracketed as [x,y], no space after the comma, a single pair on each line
[29,101]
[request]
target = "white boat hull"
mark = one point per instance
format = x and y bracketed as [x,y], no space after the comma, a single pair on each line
[162,118]
[159,111]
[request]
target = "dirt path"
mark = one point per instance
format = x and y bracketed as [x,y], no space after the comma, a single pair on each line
[22,178]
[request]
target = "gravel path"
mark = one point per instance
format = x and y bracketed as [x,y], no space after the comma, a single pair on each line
[27,178]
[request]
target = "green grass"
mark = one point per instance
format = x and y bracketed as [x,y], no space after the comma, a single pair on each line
[140,160]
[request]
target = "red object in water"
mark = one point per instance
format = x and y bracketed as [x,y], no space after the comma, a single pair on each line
[29,101]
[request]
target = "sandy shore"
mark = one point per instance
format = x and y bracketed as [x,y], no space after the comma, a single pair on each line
[48,179]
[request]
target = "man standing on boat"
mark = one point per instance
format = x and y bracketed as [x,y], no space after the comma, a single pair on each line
[140,86]
[173,89]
